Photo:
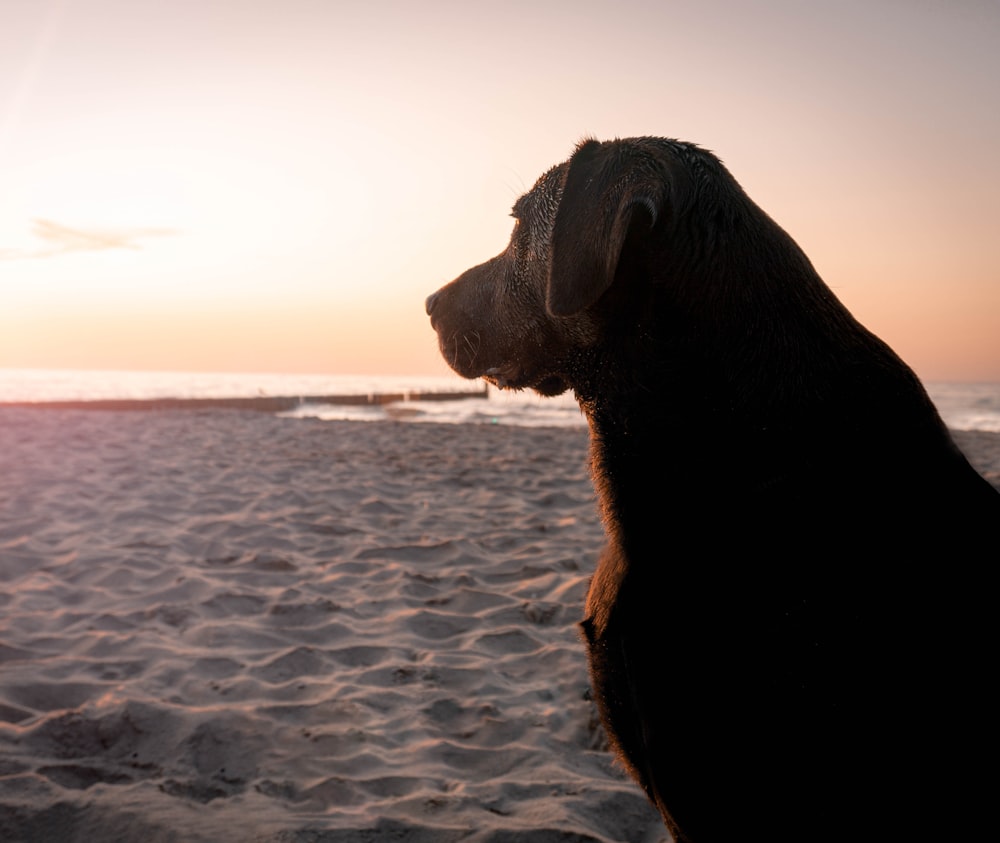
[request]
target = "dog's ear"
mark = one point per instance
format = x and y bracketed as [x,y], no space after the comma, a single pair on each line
[605,194]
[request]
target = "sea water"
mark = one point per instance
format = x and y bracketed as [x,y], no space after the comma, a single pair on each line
[964,406]
[523,408]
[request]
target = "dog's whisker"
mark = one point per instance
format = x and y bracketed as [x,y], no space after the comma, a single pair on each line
[472,348]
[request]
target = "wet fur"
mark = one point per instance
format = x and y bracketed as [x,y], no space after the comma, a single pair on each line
[789,633]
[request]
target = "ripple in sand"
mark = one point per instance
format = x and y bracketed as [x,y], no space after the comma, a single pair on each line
[11,714]
[304,614]
[507,642]
[439,552]
[302,661]
[224,605]
[77,777]
[53,696]
[435,626]
[361,655]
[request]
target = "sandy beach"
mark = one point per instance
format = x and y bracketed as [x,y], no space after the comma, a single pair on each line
[226,626]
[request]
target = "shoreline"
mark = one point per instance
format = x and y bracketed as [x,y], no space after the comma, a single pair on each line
[260,403]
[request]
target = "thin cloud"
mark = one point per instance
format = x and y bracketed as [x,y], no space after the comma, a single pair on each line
[58,239]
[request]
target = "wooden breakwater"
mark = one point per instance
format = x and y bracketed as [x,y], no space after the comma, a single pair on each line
[259,403]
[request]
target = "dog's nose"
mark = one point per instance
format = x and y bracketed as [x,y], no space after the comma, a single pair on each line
[429,304]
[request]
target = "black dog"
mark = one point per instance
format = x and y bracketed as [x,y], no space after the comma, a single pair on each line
[790,634]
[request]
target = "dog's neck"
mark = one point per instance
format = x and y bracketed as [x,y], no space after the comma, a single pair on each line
[673,443]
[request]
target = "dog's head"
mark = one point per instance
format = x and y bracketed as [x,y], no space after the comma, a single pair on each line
[529,316]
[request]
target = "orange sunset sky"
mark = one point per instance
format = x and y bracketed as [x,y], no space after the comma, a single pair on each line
[276,185]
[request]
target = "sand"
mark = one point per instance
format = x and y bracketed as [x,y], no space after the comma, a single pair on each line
[224,626]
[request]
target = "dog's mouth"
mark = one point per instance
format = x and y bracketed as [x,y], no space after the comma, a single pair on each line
[511,378]
[462,351]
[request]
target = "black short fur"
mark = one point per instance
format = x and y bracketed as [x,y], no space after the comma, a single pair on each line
[791,631]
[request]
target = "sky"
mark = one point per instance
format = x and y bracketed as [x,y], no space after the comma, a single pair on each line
[277,185]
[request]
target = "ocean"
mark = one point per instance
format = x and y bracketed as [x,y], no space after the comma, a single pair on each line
[964,406]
